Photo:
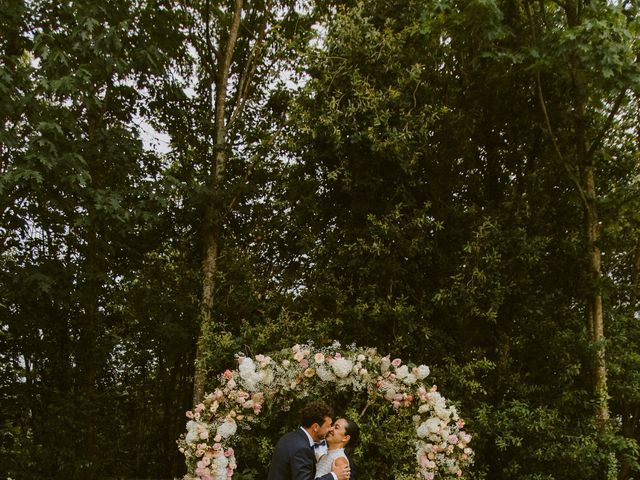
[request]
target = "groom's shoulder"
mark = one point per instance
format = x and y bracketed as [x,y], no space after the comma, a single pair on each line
[293,437]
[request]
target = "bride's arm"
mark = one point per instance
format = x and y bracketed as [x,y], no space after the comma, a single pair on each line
[340,461]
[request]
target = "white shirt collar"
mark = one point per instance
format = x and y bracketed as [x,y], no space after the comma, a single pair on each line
[311,441]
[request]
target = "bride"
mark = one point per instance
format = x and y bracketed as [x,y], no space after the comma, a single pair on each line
[344,434]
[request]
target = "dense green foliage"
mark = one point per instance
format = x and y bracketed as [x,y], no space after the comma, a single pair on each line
[396,183]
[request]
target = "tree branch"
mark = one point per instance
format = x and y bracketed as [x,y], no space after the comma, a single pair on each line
[250,68]
[221,91]
[543,106]
[607,124]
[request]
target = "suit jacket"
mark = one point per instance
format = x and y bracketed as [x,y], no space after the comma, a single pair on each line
[294,459]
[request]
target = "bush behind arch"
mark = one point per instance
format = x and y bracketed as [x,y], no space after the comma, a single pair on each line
[431,425]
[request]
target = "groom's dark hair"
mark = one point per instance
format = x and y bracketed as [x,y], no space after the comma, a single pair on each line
[315,412]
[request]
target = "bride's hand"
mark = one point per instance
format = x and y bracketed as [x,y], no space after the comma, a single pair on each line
[341,468]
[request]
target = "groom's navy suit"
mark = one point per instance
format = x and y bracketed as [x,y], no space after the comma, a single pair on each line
[294,459]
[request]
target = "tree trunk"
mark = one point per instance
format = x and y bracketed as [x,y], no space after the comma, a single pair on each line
[595,313]
[215,210]
[585,162]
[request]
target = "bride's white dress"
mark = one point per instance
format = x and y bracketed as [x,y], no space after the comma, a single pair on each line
[326,461]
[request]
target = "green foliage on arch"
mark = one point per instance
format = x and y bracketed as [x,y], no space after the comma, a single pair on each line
[405,422]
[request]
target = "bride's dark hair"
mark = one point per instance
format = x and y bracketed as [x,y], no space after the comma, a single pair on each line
[353,431]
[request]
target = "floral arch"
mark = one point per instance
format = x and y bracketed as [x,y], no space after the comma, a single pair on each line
[440,442]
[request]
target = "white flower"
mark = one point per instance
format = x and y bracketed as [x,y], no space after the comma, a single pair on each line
[454,412]
[342,367]
[325,374]
[410,379]
[433,425]
[246,367]
[250,378]
[361,358]
[192,437]
[442,411]
[422,372]
[267,376]
[423,430]
[227,429]
[402,372]
[385,363]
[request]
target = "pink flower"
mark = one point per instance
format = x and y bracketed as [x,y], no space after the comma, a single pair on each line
[227,374]
[298,356]
[304,363]
[203,472]
[460,423]
[396,362]
[229,472]
[189,414]
[453,439]
[429,476]
[434,388]
[295,348]
[217,439]
[217,446]
[396,404]
[338,355]
[319,357]
[229,452]
[257,408]
[422,393]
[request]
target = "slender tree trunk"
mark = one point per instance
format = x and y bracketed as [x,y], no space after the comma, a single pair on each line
[595,311]
[585,162]
[215,210]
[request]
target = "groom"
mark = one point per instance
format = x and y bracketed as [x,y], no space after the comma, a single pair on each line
[294,457]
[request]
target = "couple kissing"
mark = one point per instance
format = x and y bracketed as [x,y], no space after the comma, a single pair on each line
[316,450]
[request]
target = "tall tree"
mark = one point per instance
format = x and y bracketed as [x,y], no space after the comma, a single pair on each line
[237,55]
[589,48]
